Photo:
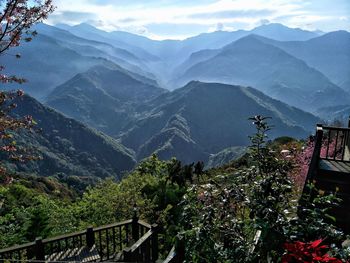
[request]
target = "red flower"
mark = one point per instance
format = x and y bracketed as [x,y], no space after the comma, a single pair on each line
[313,252]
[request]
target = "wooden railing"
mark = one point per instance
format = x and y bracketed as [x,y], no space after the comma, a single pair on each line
[315,156]
[109,240]
[330,143]
[336,143]
[145,249]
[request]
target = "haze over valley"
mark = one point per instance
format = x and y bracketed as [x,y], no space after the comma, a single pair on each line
[190,98]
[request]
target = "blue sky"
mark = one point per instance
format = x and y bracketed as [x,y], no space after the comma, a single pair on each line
[178,19]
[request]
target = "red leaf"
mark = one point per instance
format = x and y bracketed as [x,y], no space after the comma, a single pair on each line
[316,243]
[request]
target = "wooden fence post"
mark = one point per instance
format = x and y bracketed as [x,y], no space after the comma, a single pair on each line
[313,166]
[128,255]
[90,237]
[135,226]
[155,251]
[39,249]
[318,142]
[180,249]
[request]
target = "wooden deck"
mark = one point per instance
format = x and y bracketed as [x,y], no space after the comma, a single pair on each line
[335,166]
[329,170]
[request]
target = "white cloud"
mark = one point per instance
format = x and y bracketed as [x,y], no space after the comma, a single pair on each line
[136,15]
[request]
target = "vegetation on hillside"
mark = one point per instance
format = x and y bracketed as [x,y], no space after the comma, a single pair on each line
[218,213]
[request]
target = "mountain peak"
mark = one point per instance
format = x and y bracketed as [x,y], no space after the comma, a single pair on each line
[249,41]
[272,25]
[280,32]
[278,26]
[87,27]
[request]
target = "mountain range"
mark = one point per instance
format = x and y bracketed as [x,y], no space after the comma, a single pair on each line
[164,56]
[292,65]
[191,98]
[328,53]
[252,62]
[201,119]
[62,55]
[190,123]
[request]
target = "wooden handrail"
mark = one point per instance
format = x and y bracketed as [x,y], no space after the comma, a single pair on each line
[126,222]
[143,223]
[17,247]
[62,237]
[171,256]
[144,249]
[139,242]
[336,128]
[109,239]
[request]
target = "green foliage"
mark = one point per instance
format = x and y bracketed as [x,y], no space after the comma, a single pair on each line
[214,224]
[222,217]
[314,219]
[270,191]
[25,214]
[218,213]
[38,225]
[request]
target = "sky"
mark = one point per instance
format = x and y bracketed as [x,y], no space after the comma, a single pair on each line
[179,19]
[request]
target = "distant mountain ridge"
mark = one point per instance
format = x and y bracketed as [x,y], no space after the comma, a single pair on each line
[328,53]
[166,62]
[252,62]
[103,97]
[170,53]
[216,39]
[335,113]
[117,83]
[190,123]
[204,118]
[69,147]
[68,55]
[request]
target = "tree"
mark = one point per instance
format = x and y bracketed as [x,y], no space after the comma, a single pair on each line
[187,172]
[199,169]
[38,225]
[16,19]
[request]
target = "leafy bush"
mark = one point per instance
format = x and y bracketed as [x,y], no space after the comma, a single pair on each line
[223,218]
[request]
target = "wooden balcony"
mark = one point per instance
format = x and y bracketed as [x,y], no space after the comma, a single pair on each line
[329,169]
